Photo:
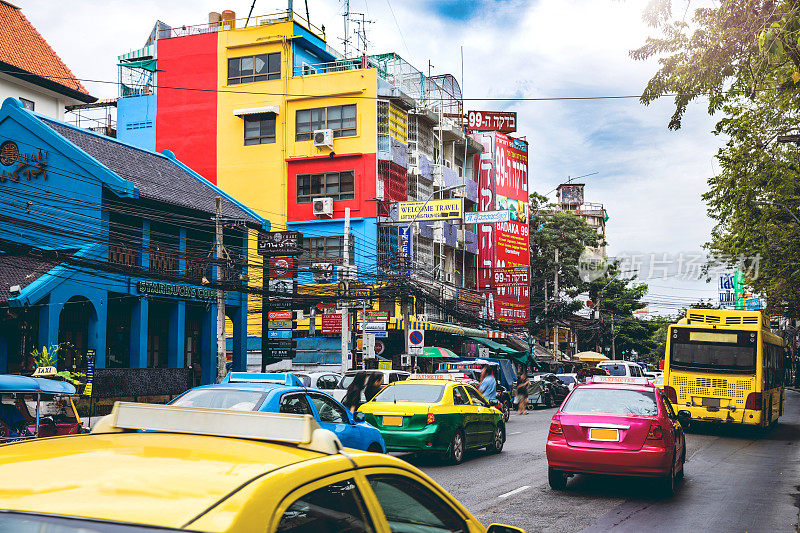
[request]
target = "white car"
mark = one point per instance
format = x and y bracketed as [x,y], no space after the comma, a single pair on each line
[319,380]
[622,368]
[570,380]
[389,376]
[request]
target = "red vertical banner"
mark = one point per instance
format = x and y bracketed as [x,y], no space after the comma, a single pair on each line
[503,185]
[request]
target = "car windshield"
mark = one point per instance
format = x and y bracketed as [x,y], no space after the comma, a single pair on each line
[413,392]
[30,523]
[237,400]
[611,401]
[614,370]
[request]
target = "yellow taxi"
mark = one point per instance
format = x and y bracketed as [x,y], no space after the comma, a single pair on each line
[434,413]
[166,468]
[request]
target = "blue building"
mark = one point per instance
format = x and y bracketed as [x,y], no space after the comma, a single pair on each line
[108,247]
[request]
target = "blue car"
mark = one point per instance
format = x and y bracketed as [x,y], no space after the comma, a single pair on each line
[285,393]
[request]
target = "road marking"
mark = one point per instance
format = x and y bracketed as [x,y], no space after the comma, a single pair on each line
[515,491]
[515,432]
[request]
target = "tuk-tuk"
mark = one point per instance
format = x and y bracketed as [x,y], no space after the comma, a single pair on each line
[32,407]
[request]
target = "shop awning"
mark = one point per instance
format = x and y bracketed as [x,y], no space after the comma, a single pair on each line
[257,110]
[144,64]
[436,326]
[502,349]
[436,352]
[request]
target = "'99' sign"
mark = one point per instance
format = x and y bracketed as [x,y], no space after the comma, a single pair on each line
[503,121]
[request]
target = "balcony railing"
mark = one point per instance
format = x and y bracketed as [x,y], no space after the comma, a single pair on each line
[340,65]
[123,255]
[250,22]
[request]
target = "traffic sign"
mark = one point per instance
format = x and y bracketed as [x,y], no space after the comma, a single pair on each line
[415,350]
[416,337]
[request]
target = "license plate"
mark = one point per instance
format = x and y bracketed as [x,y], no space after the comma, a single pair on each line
[711,402]
[392,420]
[611,435]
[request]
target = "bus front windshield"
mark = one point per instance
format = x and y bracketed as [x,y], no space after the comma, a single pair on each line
[737,355]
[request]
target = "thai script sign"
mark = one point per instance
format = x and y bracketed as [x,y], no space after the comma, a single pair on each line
[280,243]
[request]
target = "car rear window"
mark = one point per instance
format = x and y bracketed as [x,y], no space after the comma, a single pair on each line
[614,370]
[416,392]
[611,401]
[237,400]
[567,379]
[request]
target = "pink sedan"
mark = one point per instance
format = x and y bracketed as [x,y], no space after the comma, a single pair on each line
[620,426]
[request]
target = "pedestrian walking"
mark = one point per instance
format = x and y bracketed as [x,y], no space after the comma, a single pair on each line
[374,386]
[352,398]
[522,394]
[488,386]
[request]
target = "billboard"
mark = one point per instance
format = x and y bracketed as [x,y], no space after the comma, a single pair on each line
[503,185]
[505,121]
[451,208]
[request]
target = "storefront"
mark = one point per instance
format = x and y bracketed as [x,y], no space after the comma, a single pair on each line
[109,249]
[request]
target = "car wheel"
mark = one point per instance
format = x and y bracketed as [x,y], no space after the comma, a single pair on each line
[456,453]
[497,441]
[667,484]
[506,412]
[557,479]
[375,448]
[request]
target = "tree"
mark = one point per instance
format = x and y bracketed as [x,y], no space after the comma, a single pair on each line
[615,300]
[661,326]
[745,57]
[552,230]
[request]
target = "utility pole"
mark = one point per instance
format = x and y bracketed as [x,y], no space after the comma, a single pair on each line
[555,308]
[346,275]
[221,351]
[613,339]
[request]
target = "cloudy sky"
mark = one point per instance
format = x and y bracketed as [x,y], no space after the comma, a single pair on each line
[649,179]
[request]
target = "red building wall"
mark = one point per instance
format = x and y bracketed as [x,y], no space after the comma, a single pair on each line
[187,119]
[364,166]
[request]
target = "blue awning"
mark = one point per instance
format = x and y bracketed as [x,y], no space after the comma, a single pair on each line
[25,384]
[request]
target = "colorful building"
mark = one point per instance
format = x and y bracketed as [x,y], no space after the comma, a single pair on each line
[109,247]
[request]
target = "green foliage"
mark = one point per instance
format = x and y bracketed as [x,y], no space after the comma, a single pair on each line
[551,230]
[745,56]
[45,356]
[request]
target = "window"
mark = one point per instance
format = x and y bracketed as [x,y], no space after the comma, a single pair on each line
[411,393]
[460,396]
[329,410]
[327,382]
[336,185]
[340,118]
[248,69]
[477,399]
[259,129]
[236,400]
[327,248]
[636,372]
[611,401]
[337,508]
[668,406]
[409,506]
[396,376]
[28,104]
[295,404]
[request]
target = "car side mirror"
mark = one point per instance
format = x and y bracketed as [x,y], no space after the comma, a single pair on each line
[358,416]
[502,528]
[684,415]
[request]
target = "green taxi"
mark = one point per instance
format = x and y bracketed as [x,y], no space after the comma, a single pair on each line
[434,413]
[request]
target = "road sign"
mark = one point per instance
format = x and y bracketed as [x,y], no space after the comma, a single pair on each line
[280,324]
[416,337]
[380,347]
[280,315]
[372,326]
[280,243]
[415,350]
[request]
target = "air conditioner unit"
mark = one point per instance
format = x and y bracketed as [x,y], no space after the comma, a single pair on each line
[323,206]
[323,139]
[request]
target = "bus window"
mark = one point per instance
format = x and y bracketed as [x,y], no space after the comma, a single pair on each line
[732,351]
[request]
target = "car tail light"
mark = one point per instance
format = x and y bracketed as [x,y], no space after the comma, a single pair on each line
[672,396]
[655,432]
[555,428]
[431,418]
[753,401]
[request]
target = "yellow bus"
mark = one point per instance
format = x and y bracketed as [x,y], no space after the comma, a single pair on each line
[725,367]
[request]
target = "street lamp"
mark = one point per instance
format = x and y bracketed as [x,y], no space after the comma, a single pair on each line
[765,202]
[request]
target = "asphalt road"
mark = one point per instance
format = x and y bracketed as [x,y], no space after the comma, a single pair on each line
[736,480]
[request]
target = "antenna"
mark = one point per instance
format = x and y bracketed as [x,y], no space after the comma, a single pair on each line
[346,16]
[362,42]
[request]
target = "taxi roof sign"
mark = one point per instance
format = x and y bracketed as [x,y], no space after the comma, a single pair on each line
[620,380]
[300,430]
[436,377]
[279,378]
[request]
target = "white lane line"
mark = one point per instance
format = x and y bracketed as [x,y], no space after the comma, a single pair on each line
[515,491]
[514,432]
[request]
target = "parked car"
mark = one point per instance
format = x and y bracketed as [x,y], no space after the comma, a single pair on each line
[570,380]
[551,394]
[319,380]
[389,376]
[622,368]
[285,393]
